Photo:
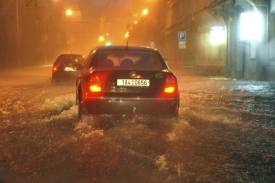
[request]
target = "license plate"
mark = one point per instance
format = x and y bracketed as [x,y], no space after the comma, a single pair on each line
[69,69]
[133,82]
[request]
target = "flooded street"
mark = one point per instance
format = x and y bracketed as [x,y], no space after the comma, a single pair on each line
[252,101]
[225,133]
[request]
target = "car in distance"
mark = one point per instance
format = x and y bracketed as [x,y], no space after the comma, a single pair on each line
[129,80]
[63,68]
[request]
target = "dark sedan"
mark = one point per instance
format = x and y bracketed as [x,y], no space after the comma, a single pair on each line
[126,80]
[63,68]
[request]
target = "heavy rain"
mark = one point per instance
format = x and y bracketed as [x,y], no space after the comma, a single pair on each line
[225,128]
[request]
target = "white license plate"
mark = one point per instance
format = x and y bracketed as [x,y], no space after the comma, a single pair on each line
[133,82]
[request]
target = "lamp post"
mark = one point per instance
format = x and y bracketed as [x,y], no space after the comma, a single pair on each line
[17,34]
[45,37]
[72,17]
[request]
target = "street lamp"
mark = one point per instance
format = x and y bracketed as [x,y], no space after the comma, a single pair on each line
[127,34]
[251,23]
[145,11]
[251,26]
[71,17]
[17,34]
[73,14]
[69,12]
[101,38]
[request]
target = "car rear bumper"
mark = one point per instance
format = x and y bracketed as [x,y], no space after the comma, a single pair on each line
[131,106]
[64,75]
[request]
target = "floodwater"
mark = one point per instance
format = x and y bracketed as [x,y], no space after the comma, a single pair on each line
[224,133]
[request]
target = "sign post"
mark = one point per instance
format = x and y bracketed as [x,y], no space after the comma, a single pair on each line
[182,39]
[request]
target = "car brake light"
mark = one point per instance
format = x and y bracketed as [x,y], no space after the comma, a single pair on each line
[95,88]
[93,84]
[169,89]
[170,84]
[54,68]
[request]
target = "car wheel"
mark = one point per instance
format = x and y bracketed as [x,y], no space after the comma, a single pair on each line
[175,113]
[53,80]
[79,110]
[78,103]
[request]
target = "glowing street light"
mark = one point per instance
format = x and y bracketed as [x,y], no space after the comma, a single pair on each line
[101,38]
[69,12]
[73,14]
[145,11]
[127,34]
[251,26]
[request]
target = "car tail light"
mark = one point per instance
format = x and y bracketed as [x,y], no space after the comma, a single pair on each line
[170,88]
[54,68]
[93,84]
[95,88]
[170,84]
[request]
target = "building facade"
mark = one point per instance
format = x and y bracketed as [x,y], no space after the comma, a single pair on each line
[237,54]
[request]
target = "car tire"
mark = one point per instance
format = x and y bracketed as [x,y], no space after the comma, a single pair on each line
[175,113]
[79,110]
[55,80]
[78,103]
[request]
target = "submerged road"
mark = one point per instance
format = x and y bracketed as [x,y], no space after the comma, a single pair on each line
[224,133]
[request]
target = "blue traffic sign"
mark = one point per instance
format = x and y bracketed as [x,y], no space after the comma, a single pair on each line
[182,36]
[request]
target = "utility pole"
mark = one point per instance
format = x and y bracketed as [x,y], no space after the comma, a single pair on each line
[45,36]
[17,34]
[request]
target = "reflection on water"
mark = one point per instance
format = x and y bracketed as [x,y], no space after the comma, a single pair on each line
[252,101]
[224,133]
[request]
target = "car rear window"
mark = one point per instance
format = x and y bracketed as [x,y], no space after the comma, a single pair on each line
[69,59]
[128,60]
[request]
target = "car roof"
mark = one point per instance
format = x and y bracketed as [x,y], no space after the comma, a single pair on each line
[70,54]
[124,48]
[67,57]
